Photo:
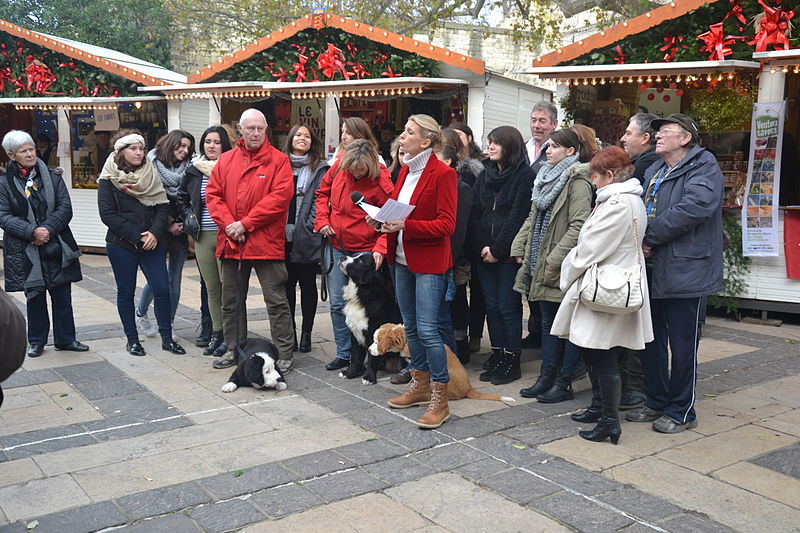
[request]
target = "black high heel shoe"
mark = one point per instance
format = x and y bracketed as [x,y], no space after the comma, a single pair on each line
[305,342]
[135,348]
[606,428]
[173,347]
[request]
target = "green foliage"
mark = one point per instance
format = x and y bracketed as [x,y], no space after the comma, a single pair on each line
[735,265]
[285,54]
[73,78]
[644,47]
[726,108]
[141,29]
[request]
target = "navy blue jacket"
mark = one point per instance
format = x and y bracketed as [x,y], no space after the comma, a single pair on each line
[686,233]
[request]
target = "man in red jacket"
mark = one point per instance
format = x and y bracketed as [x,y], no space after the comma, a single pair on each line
[248,196]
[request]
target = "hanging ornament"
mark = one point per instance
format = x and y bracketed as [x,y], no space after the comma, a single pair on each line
[651,96]
[667,98]
[773,27]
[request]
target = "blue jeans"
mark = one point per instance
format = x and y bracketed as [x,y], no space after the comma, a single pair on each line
[63,320]
[336,282]
[175,260]
[551,345]
[420,298]
[125,264]
[503,304]
[446,311]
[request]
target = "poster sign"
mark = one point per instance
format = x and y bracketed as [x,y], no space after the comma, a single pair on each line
[106,120]
[309,113]
[760,211]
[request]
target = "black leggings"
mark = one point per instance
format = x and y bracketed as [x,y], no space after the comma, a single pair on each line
[306,275]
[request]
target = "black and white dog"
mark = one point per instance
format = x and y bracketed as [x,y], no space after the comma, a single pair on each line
[368,304]
[257,368]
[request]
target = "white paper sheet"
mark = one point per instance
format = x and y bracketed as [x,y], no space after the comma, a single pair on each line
[393,210]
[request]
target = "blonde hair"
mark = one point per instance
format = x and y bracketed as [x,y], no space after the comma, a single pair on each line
[361,152]
[429,129]
[587,136]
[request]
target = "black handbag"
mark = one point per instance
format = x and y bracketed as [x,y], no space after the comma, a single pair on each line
[190,223]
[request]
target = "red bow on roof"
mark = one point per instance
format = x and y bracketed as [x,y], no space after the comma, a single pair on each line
[671,46]
[299,68]
[331,61]
[772,25]
[360,71]
[39,76]
[716,44]
[736,11]
[620,58]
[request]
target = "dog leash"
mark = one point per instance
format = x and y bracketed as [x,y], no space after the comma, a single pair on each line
[327,248]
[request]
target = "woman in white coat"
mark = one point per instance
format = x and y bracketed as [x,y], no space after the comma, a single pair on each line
[611,235]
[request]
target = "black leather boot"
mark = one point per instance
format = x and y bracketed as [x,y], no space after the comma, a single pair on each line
[462,350]
[608,427]
[561,390]
[206,331]
[547,376]
[594,411]
[305,342]
[509,370]
[496,359]
[214,343]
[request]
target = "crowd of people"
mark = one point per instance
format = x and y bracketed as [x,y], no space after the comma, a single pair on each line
[517,220]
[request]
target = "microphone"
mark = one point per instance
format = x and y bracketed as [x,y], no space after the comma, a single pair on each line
[359,200]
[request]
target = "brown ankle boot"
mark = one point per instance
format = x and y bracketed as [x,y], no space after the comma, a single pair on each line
[418,393]
[438,411]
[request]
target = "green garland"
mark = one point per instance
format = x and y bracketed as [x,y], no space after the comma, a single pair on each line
[645,47]
[377,59]
[72,77]
[726,108]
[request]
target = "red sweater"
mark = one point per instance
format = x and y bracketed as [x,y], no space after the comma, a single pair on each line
[336,208]
[255,189]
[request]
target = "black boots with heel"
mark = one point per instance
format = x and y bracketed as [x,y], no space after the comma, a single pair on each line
[547,376]
[608,426]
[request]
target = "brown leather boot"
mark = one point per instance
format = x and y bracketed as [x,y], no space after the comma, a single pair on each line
[438,411]
[418,393]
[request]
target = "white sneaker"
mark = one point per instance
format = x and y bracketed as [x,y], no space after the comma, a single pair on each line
[143,325]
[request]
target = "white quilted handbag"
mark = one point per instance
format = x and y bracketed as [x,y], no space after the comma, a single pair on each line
[613,289]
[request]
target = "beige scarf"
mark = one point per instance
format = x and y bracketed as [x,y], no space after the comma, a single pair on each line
[205,166]
[142,184]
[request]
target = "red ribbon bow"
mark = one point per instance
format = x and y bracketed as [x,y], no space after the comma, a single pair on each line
[389,73]
[671,46]
[736,11]
[331,61]
[39,76]
[299,68]
[773,25]
[620,58]
[380,58]
[360,71]
[716,44]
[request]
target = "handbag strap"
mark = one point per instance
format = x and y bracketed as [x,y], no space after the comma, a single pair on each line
[637,242]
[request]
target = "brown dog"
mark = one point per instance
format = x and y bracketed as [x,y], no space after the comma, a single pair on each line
[392,338]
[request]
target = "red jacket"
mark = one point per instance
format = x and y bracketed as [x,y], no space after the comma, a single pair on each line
[255,189]
[336,208]
[426,237]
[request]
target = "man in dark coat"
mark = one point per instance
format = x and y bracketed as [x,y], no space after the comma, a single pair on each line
[40,254]
[639,141]
[12,338]
[683,244]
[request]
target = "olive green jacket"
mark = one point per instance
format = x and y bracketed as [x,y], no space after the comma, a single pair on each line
[570,210]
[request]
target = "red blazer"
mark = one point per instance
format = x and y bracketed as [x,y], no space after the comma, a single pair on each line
[336,208]
[426,238]
[254,189]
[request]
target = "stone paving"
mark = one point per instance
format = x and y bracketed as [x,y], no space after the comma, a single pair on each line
[104,441]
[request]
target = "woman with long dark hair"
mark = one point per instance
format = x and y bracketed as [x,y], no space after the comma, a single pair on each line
[134,205]
[501,204]
[303,246]
[170,159]
[213,143]
[560,203]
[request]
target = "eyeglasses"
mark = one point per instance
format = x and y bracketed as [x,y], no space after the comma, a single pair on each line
[665,132]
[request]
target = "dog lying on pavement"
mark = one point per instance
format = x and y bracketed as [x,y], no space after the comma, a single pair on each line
[392,338]
[257,368]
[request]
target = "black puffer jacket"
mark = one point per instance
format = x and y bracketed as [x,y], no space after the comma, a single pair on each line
[127,218]
[306,247]
[18,232]
[501,203]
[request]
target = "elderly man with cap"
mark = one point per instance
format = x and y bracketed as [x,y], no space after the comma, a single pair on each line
[248,196]
[683,244]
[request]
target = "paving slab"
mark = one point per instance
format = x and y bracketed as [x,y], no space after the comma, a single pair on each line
[40,497]
[226,515]
[285,500]
[581,513]
[174,523]
[19,471]
[343,485]
[433,497]
[248,480]
[787,422]
[761,480]
[370,512]
[731,506]
[519,486]
[640,504]
[163,500]
[785,460]
[81,520]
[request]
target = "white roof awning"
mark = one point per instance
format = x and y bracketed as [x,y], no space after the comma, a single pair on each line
[641,71]
[78,103]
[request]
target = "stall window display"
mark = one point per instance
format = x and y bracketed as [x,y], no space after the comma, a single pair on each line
[90,145]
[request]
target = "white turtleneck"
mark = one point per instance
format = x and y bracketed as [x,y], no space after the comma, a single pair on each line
[415,167]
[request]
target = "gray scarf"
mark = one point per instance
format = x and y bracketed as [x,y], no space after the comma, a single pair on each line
[35,283]
[550,181]
[170,177]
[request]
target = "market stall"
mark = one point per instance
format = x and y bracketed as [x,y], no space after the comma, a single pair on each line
[700,60]
[322,68]
[72,97]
